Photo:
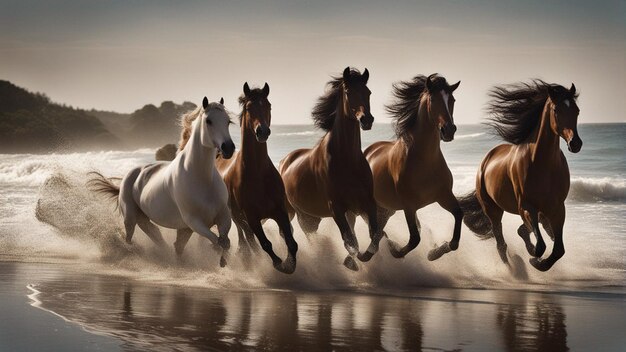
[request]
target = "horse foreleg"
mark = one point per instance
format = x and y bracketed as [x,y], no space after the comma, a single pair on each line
[531,218]
[223,222]
[546,225]
[182,237]
[349,239]
[556,222]
[288,266]
[414,236]
[375,233]
[256,227]
[451,204]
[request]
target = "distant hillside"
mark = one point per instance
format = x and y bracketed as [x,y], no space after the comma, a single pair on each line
[30,122]
[149,126]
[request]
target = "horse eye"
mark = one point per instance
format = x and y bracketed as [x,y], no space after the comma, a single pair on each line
[209,122]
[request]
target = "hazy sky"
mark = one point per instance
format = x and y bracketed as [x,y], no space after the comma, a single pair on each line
[120,55]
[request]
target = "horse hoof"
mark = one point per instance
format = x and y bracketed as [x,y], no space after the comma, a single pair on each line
[350,263]
[365,257]
[539,251]
[222,262]
[288,266]
[394,249]
[438,252]
[538,264]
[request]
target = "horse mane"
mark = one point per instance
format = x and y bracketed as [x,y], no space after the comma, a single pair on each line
[515,109]
[405,108]
[255,94]
[186,122]
[324,111]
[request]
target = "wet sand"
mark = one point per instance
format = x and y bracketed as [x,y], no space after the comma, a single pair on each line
[52,307]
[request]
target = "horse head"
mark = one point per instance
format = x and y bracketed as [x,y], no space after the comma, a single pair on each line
[214,128]
[257,111]
[441,105]
[564,116]
[357,97]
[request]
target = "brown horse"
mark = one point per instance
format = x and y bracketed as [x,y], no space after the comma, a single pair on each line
[529,177]
[334,178]
[411,172]
[255,188]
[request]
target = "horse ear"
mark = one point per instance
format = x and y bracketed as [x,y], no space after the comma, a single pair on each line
[205,103]
[572,90]
[429,82]
[346,74]
[366,75]
[246,89]
[222,100]
[266,90]
[454,86]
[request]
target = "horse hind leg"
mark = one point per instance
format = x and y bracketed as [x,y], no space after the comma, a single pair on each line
[129,209]
[151,230]
[308,223]
[524,233]
[494,213]
[182,237]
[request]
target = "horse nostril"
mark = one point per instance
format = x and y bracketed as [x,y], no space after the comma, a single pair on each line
[453,128]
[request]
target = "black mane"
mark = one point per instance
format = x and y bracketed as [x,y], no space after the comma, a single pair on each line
[408,95]
[325,109]
[516,109]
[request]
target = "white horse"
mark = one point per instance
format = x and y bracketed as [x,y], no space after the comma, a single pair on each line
[186,194]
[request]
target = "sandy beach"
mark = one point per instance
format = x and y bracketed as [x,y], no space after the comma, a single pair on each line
[51,307]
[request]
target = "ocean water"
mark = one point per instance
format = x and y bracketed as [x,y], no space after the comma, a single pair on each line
[86,231]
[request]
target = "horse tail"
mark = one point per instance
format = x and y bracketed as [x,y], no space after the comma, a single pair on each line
[474,216]
[103,185]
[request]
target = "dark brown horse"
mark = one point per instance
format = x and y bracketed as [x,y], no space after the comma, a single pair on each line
[411,172]
[530,176]
[255,188]
[334,178]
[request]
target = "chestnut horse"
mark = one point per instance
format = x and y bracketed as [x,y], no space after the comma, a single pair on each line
[255,188]
[411,172]
[334,178]
[530,176]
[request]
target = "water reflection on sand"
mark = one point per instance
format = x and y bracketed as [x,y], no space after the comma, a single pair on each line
[160,317]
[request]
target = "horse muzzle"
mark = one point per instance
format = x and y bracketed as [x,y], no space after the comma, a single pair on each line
[262,133]
[366,122]
[446,132]
[575,144]
[227,149]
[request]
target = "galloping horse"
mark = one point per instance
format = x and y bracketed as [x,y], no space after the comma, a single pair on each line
[256,191]
[530,176]
[186,194]
[334,177]
[411,172]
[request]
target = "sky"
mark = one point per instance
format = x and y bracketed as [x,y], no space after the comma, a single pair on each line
[120,55]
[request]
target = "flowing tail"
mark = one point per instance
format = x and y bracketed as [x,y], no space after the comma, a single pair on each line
[474,216]
[103,185]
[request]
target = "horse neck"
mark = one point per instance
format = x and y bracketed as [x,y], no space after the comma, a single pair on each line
[253,153]
[424,139]
[545,146]
[198,159]
[345,135]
